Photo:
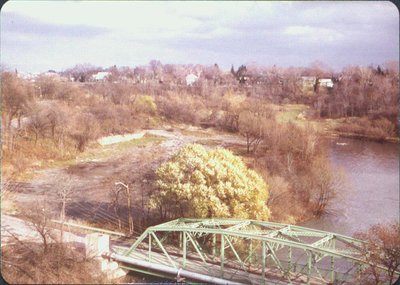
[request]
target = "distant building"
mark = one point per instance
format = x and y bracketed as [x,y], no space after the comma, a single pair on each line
[313,83]
[325,82]
[261,79]
[51,73]
[191,79]
[100,76]
[28,76]
[308,83]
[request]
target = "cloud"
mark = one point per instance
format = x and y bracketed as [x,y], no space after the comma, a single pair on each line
[134,32]
[15,23]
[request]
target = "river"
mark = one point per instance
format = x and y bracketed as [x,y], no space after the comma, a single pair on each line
[371,190]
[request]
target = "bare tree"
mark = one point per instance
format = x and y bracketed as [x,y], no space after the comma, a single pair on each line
[253,122]
[39,219]
[382,247]
[58,121]
[49,86]
[251,128]
[17,96]
[38,123]
[156,68]
[323,185]
[84,128]
[25,261]
[82,72]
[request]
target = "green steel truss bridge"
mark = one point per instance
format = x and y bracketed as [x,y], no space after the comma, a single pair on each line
[232,251]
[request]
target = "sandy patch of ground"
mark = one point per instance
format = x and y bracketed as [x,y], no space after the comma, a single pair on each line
[119,138]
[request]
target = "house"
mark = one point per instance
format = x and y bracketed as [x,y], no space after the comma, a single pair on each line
[313,83]
[28,76]
[100,76]
[191,79]
[308,83]
[51,73]
[325,82]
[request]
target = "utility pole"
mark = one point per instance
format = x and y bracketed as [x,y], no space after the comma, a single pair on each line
[128,194]
[64,195]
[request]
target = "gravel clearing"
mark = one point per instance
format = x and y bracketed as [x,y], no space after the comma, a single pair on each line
[91,181]
[120,138]
[128,137]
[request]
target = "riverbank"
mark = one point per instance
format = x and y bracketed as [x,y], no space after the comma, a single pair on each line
[366,128]
[362,128]
[394,140]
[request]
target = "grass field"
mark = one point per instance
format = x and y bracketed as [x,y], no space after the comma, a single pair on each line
[292,113]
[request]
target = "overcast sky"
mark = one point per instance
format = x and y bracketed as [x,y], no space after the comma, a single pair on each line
[41,35]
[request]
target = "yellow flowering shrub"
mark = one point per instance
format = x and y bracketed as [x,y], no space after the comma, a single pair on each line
[202,183]
[146,104]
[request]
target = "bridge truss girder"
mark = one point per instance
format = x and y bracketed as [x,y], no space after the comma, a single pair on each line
[253,252]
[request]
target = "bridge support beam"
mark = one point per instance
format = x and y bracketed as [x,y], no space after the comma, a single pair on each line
[309,264]
[263,257]
[169,270]
[184,250]
[333,277]
[222,255]
[163,249]
[149,257]
[250,257]
[214,245]
[180,241]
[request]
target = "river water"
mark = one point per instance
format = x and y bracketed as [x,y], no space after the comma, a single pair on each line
[371,190]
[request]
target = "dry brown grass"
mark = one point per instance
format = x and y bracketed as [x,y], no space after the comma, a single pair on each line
[8,205]
[26,263]
[378,129]
[29,156]
[182,108]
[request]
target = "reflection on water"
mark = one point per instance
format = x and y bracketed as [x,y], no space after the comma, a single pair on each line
[371,194]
